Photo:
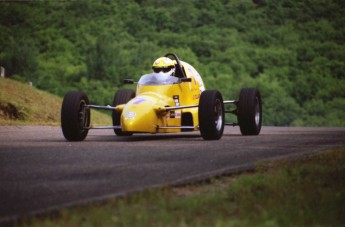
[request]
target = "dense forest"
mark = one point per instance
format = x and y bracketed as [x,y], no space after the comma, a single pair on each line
[292,50]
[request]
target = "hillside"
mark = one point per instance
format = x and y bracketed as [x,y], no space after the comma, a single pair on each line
[293,51]
[21,104]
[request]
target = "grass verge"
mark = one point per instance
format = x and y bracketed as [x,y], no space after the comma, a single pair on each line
[305,192]
[21,104]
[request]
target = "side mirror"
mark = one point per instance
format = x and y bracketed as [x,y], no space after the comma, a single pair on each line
[185,79]
[128,81]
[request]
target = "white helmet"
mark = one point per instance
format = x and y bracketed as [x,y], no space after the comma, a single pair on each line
[164,65]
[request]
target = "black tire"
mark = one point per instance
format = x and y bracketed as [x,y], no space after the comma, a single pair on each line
[122,96]
[249,111]
[74,116]
[211,115]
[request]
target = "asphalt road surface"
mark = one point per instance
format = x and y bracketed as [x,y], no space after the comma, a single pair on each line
[40,171]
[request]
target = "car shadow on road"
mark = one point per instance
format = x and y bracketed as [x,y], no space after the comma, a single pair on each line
[152,137]
[192,136]
[144,137]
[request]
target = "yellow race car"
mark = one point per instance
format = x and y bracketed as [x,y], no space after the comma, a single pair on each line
[171,99]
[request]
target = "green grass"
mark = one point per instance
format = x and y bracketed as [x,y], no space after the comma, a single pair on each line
[21,104]
[305,192]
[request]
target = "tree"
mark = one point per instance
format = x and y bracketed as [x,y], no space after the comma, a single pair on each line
[20,59]
[100,59]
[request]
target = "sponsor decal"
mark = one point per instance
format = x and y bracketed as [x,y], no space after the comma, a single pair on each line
[130,115]
[139,100]
[176,100]
[178,114]
[174,114]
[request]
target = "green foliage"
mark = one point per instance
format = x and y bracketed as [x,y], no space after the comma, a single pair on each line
[293,51]
[20,58]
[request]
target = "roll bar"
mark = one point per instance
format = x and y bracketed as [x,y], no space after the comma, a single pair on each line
[179,70]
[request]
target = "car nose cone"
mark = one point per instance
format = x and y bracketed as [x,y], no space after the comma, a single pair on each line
[139,115]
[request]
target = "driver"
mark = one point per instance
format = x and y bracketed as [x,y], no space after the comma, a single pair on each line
[164,65]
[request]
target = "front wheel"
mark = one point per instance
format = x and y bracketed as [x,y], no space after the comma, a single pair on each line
[122,96]
[211,115]
[75,116]
[249,113]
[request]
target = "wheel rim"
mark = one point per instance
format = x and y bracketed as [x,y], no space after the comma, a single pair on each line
[257,112]
[218,115]
[83,115]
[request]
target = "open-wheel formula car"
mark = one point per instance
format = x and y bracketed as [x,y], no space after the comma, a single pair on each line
[169,100]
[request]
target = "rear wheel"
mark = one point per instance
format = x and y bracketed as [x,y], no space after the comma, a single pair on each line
[75,116]
[211,115]
[249,113]
[122,96]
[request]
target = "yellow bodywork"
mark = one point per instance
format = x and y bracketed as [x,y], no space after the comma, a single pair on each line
[147,111]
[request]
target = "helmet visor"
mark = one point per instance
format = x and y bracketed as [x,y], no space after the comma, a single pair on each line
[162,69]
